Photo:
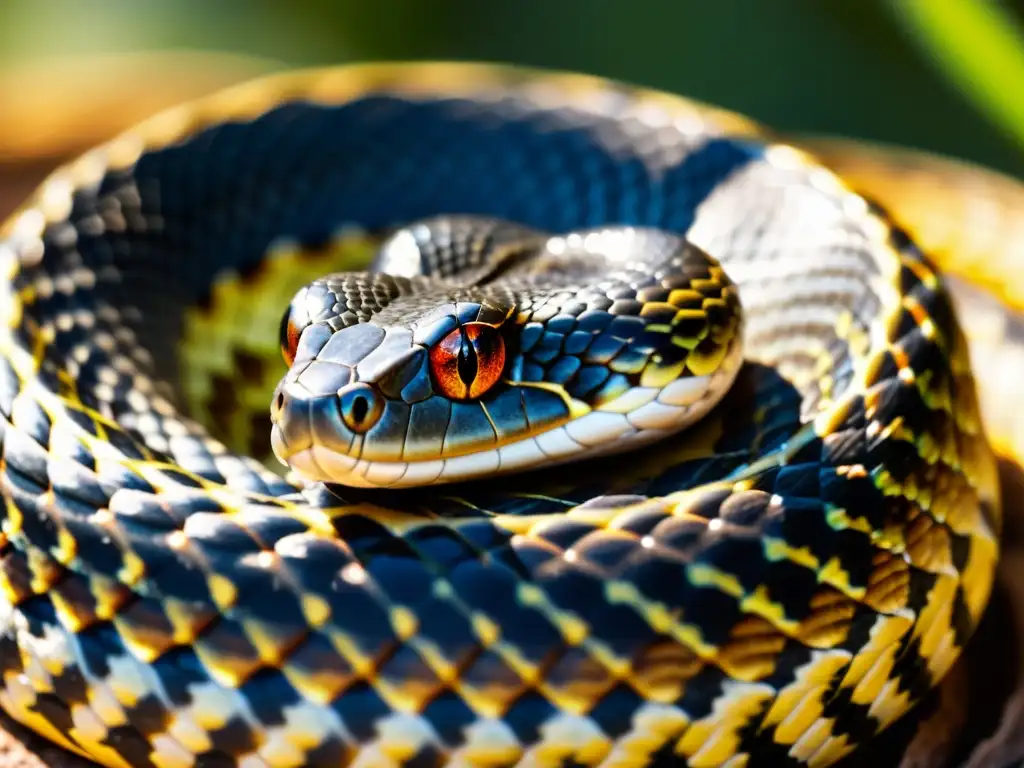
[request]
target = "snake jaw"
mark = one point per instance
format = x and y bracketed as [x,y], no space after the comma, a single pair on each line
[571,432]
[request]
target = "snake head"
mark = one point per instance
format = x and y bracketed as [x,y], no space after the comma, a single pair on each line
[370,403]
[405,381]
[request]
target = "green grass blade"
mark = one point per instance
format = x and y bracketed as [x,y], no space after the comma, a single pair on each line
[979,47]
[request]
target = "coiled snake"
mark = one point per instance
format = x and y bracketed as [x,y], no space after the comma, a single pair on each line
[774,584]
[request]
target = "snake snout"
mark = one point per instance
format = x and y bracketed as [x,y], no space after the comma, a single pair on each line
[321,412]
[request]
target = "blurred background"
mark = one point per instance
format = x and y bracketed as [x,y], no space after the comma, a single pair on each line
[943,75]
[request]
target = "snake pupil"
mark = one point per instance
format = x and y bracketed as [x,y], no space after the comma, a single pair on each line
[359,409]
[468,363]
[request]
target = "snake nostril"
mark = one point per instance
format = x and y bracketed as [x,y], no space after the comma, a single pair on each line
[361,407]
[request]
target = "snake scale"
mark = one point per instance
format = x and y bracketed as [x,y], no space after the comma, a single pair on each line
[575,266]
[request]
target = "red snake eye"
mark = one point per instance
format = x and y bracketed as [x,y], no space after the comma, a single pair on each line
[468,361]
[289,337]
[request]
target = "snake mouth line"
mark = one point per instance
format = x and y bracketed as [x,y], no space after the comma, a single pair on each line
[639,417]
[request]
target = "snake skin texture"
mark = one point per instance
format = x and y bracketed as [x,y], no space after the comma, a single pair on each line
[774,586]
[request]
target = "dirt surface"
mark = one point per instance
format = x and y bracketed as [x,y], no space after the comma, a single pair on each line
[975,720]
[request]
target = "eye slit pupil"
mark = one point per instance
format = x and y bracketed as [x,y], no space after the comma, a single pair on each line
[468,364]
[360,407]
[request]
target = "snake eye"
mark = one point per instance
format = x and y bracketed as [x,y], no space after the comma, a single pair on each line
[360,407]
[289,336]
[468,361]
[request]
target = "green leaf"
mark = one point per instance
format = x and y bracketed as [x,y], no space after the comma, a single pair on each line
[979,47]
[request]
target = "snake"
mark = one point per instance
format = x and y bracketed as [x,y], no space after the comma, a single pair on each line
[612,429]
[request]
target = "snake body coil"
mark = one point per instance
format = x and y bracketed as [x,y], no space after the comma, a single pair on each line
[774,585]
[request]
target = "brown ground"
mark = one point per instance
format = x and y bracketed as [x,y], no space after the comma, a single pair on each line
[976,720]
